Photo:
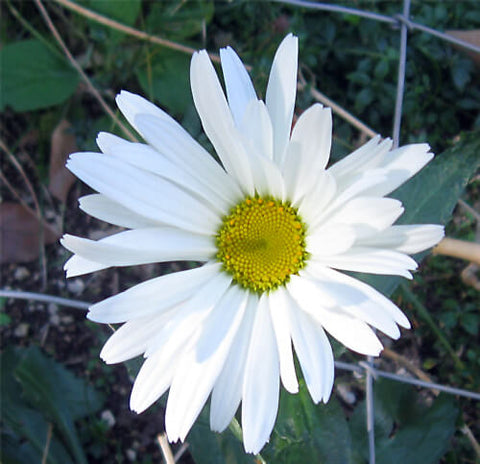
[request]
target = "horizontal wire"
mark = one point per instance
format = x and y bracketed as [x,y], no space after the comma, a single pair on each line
[358,368]
[32,296]
[362,368]
[397,19]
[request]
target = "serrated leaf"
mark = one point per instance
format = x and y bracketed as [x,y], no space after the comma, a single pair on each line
[34,77]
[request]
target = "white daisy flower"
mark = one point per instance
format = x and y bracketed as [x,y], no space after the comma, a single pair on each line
[273,226]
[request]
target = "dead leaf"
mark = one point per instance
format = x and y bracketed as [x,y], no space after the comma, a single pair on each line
[62,144]
[472,37]
[21,232]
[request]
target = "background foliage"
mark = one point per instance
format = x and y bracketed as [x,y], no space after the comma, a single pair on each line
[353,61]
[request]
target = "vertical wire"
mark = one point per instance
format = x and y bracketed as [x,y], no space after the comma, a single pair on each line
[370,413]
[401,75]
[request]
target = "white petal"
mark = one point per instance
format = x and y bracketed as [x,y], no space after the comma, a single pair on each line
[330,239]
[256,129]
[267,178]
[141,246]
[361,184]
[261,382]
[406,239]
[217,120]
[145,157]
[101,207]
[76,266]
[189,315]
[359,294]
[312,205]
[367,156]
[132,338]
[368,214]
[239,86]
[400,165]
[353,300]
[281,93]
[156,295]
[372,261]
[314,353]
[279,313]
[352,332]
[131,105]
[176,144]
[143,192]
[308,150]
[197,371]
[153,380]
[227,392]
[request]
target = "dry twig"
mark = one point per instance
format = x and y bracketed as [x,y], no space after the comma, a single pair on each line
[79,69]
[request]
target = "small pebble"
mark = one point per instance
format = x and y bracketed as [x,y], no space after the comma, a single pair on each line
[108,417]
[21,330]
[346,393]
[75,286]
[21,272]
[131,455]
[53,311]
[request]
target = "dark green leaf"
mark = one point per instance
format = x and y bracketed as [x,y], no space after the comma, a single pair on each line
[34,77]
[167,80]
[178,19]
[208,447]
[306,432]
[406,430]
[60,396]
[24,422]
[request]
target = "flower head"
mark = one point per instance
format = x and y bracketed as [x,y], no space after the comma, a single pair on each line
[273,226]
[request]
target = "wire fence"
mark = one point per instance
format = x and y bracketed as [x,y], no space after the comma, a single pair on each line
[405,25]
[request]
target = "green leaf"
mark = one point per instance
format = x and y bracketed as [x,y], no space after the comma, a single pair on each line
[123,11]
[406,429]
[24,422]
[56,393]
[167,80]
[308,432]
[431,196]
[33,77]
[178,19]
[208,447]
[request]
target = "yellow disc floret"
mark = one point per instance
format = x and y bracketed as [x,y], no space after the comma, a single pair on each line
[261,243]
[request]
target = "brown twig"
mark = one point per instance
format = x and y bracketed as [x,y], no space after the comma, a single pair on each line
[407,364]
[462,249]
[37,212]
[165,448]
[79,69]
[47,444]
[130,30]
[336,108]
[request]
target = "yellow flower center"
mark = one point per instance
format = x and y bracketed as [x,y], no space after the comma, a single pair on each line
[261,243]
